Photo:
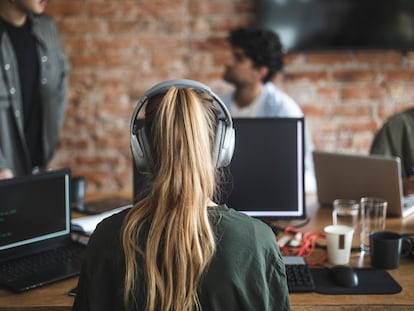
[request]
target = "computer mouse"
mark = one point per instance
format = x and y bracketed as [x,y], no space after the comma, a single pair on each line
[344,276]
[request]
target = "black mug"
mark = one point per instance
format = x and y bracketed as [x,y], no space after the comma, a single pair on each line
[78,189]
[386,249]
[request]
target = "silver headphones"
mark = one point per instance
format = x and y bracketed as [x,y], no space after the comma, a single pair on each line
[224,139]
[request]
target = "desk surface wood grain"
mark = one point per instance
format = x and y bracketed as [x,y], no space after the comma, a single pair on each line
[55,296]
[319,217]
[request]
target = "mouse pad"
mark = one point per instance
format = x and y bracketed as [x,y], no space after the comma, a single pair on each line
[371,281]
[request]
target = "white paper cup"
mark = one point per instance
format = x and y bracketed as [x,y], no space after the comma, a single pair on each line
[339,242]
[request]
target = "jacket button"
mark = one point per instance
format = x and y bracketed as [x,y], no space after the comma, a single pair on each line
[17,114]
[7,66]
[12,90]
[44,59]
[44,81]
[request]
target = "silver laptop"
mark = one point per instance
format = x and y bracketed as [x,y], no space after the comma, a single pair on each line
[35,239]
[353,176]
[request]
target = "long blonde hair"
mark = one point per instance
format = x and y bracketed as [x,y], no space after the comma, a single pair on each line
[180,243]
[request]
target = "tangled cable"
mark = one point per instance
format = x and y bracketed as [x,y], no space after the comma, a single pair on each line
[297,243]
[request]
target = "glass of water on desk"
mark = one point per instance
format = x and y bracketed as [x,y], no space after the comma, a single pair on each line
[347,212]
[373,216]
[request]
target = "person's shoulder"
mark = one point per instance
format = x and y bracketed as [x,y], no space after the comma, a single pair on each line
[407,114]
[43,19]
[279,100]
[236,223]
[279,93]
[227,98]
[115,220]
[400,118]
[43,23]
[109,228]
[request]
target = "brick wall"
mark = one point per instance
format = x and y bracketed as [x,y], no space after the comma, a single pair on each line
[119,48]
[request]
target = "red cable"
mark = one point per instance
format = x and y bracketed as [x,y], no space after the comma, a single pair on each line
[306,246]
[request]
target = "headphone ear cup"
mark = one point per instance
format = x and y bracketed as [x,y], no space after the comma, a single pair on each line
[224,144]
[141,151]
[135,150]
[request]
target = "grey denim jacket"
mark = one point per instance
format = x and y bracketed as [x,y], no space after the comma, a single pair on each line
[53,83]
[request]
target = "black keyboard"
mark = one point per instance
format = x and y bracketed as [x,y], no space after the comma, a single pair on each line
[299,278]
[72,255]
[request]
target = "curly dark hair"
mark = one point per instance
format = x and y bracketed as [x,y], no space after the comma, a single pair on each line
[262,46]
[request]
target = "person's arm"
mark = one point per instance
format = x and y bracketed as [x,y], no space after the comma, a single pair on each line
[278,292]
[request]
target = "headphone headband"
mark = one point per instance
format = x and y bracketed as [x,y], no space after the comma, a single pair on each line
[179,83]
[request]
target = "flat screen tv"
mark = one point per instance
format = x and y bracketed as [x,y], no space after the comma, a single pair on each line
[316,25]
[265,178]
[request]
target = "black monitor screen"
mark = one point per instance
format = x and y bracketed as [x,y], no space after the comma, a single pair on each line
[308,25]
[265,178]
[268,168]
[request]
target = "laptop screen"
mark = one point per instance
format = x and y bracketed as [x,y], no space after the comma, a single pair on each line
[34,208]
[265,178]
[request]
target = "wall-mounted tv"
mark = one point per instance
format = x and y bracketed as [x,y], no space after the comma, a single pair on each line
[323,25]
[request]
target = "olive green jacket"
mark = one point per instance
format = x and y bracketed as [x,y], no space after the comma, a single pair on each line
[247,272]
[396,138]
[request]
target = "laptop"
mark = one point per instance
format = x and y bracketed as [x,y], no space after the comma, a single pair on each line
[35,226]
[353,176]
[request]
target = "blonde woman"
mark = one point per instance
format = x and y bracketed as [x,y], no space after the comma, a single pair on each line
[175,249]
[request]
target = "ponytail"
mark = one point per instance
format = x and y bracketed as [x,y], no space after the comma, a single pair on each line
[179,240]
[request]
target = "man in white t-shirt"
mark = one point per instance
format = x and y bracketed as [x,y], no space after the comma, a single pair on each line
[256,59]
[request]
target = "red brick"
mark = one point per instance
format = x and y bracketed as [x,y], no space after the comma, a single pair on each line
[379,57]
[362,92]
[401,74]
[330,58]
[354,76]
[306,76]
[66,8]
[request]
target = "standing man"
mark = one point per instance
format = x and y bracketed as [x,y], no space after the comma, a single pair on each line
[33,87]
[256,59]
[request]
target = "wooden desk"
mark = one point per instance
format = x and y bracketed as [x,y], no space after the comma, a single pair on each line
[404,275]
[54,297]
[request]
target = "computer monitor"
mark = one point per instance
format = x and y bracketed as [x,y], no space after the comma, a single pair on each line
[265,178]
[268,168]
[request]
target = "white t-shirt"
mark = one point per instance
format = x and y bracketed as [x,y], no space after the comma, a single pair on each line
[250,111]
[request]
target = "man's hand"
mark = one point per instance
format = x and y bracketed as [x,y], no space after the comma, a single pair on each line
[6,173]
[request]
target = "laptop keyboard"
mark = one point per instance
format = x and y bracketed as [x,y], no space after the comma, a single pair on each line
[67,257]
